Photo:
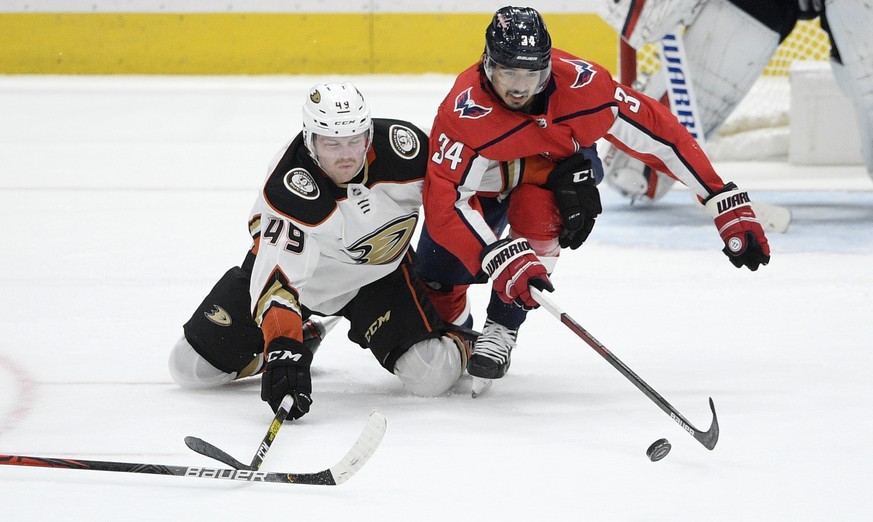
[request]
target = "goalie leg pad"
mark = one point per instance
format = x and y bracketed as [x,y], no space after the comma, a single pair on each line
[727,49]
[849,23]
[640,21]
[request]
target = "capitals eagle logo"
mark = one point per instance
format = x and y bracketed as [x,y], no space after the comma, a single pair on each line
[584,72]
[468,108]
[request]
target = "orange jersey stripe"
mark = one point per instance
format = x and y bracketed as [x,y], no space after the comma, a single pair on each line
[281,322]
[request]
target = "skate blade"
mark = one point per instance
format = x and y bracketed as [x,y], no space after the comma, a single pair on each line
[480,386]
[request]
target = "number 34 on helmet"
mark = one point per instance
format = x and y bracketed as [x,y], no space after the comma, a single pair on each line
[517,38]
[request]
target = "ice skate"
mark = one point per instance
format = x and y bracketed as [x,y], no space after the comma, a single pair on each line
[490,358]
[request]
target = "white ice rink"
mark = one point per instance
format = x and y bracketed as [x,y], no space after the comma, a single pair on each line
[122,200]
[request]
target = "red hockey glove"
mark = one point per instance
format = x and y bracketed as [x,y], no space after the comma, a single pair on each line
[743,236]
[513,267]
[574,185]
[287,372]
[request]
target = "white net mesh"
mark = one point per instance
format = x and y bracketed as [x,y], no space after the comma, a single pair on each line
[806,42]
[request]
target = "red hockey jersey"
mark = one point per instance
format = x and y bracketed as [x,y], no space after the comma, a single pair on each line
[473,131]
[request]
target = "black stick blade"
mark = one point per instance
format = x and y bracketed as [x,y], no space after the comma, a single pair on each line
[208,450]
[709,438]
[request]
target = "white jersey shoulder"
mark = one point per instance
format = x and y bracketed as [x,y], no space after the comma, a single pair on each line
[320,243]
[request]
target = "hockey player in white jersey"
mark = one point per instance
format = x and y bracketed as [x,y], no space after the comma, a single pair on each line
[331,230]
[728,45]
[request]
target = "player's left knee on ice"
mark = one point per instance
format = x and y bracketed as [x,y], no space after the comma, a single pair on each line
[190,370]
[429,367]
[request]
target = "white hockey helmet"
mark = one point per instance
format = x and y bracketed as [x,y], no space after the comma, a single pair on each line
[337,110]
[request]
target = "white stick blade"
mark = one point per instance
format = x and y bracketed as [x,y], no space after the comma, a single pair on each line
[364,447]
[773,218]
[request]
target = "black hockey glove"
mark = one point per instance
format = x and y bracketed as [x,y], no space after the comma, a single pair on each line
[575,187]
[287,372]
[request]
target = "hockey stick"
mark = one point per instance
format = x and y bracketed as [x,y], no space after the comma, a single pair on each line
[351,463]
[683,104]
[708,438]
[314,329]
[204,448]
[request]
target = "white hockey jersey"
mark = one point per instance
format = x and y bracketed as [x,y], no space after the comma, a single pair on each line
[316,243]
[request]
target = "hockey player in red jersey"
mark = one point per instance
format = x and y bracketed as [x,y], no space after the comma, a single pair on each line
[331,230]
[729,44]
[525,99]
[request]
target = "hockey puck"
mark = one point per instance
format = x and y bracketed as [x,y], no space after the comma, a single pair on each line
[658,450]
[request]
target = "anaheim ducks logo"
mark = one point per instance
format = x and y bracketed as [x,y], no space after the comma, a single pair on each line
[219,316]
[300,182]
[404,141]
[386,244]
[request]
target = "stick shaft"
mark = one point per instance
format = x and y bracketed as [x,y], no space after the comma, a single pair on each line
[321,478]
[272,431]
[363,448]
[212,451]
[708,438]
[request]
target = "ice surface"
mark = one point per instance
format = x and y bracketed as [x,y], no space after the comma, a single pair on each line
[122,200]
